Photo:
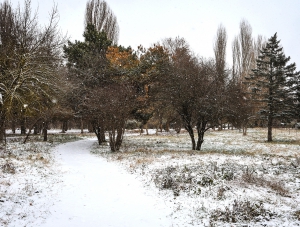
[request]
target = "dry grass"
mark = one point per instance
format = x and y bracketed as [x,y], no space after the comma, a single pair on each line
[249,177]
[297,214]
[8,167]
[230,165]
[144,160]
[242,211]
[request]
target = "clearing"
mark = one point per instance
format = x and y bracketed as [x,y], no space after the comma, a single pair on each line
[154,181]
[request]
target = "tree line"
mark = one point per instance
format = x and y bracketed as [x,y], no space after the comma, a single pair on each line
[44,77]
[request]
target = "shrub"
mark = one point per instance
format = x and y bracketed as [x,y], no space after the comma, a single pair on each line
[242,211]
[8,167]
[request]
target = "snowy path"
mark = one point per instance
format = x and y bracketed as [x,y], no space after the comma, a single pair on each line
[99,193]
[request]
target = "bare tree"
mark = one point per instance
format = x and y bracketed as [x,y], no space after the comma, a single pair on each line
[242,48]
[110,107]
[220,64]
[190,87]
[220,53]
[258,44]
[102,17]
[29,58]
[7,22]
[240,106]
[245,51]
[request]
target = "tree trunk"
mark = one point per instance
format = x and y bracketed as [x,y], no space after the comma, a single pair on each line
[220,126]
[91,127]
[160,124]
[102,135]
[2,128]
[23,128]
[120,133]
[81,125]
[112,140]
[244,130]
[244,127]
[2,136]
[112,143]
[146,126]
[141,129]
[64,127]
[29,131]
[270,124]
[37,128]
[97,131]
[167,126]
[98,136]
[45,131]
[178,129]
[187,122]
[115,141]
[201,129]
[13,126]
[189,128]
[27,136]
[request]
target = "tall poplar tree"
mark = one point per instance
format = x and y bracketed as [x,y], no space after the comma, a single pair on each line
[272,84]
[99,14]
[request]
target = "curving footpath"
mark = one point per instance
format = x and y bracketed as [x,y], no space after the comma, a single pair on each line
[96,193]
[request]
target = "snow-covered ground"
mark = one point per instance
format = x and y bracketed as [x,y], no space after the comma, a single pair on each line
[51,131]
[98,193]
[156,180]
[234,181]
[28,176]
[78,189]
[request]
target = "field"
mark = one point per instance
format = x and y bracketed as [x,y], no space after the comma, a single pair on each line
[234,180]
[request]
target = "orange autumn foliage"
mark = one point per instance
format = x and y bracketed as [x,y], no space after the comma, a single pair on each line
[121,59]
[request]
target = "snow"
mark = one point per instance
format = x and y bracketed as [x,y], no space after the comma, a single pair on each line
[51,131]
[98,193]
[243,170]
[26,188]
[82,184]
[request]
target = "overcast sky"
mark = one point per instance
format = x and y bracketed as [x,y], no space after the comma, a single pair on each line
[148,21]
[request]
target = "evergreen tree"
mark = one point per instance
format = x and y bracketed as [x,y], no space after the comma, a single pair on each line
[295,82]
[88,71]
[272,83]
[101,76]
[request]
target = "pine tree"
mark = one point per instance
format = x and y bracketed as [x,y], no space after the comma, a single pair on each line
[272,83]
[295,82]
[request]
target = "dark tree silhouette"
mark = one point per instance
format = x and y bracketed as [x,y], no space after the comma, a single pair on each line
[272,84]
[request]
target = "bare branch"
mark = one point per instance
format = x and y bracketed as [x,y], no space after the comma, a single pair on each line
[102,17]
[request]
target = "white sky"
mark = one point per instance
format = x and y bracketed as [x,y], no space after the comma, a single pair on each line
[148,21]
